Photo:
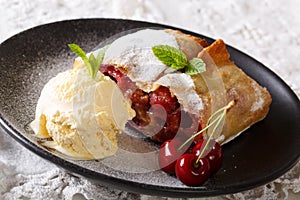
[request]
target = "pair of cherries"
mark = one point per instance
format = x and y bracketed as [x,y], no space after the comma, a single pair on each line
[194,165]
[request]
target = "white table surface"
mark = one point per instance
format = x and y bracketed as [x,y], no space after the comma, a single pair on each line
[267,30]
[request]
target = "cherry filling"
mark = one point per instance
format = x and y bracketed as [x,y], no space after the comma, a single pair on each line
[158,113]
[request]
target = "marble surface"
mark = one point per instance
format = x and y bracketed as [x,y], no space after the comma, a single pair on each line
[268,31]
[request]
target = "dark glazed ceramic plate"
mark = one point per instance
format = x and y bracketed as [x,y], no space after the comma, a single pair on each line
[261,154]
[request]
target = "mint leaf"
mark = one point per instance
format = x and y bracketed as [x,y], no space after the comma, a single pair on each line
[170,56]
[91,62]
[76,49]
[195,66]
[101,55]
[176,59]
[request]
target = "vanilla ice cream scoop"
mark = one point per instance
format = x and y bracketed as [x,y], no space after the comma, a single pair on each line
[81,115]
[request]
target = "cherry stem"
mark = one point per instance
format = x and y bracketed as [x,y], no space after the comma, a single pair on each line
[209,123]
[212,116]
[196,134]
[196,164]
[228,106]
[220,118]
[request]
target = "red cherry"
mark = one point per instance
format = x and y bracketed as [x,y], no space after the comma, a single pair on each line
[213,154]
[163,96]
[199,137]
[191,173]
[171,124]
[198,148]
[111,71]
[140,103]
[168,154]
[126,85]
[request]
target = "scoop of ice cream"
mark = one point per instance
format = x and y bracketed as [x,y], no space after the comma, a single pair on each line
[82,115]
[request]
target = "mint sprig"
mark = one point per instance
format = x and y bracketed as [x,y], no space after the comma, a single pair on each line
[195,66]
[170,56]
[93,63]
[176,59]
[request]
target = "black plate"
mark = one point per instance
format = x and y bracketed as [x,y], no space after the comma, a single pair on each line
[261,154]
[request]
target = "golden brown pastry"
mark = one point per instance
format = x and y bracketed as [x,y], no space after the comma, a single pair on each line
[252,100]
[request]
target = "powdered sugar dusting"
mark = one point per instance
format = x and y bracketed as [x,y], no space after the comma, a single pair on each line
[183,87]
[260,101]
[134,51]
